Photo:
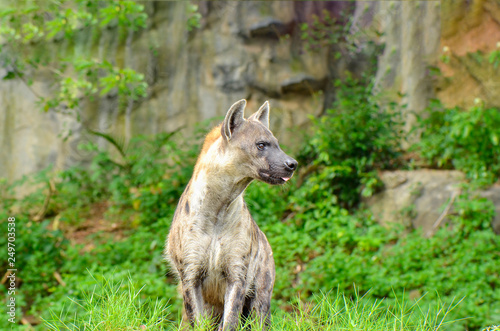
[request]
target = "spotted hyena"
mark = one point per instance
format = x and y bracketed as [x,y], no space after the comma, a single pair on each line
[223,260]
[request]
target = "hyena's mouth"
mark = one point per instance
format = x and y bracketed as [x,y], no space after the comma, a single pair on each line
[274,179]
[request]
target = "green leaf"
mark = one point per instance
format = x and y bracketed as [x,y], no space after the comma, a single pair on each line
[494,139]
[10,75]
[120,147]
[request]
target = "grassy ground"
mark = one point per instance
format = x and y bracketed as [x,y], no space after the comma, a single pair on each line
[118,306]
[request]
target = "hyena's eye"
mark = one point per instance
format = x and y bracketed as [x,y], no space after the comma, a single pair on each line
[261,146]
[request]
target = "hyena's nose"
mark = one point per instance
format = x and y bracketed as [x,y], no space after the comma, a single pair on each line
[291,164]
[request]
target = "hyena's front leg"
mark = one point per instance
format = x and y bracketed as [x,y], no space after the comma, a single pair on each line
[261,303]
[233,305]
[193,302]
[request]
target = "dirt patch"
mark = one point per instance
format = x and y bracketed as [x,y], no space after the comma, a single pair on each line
[461,84]
[94,228]
[482,37]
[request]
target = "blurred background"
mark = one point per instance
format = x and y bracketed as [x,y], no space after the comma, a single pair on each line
[391,108]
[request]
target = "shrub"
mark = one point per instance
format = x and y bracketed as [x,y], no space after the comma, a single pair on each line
[141,189]
[467,140]
[355,138]
[323,246]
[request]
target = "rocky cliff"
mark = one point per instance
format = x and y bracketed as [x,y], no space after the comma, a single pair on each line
[246,50]
[251,50]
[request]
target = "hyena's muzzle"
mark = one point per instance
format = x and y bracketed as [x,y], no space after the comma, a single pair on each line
[281,166]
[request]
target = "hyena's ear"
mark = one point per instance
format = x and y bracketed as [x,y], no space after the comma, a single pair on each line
[234,118]
[262,115]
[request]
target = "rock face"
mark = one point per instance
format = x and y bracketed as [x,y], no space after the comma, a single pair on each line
[414,196]
[419,198]
[249,50]
[470,33]
[410,49]
[455,37]
[253,50]
[411,35]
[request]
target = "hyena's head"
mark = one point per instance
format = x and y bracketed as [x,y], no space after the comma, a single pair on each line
[254,150]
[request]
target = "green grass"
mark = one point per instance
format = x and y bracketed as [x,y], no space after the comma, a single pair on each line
[113,305]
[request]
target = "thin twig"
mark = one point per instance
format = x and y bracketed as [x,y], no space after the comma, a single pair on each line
[443,214]
[20,76]
[59,279]
[42,212]
[4,278]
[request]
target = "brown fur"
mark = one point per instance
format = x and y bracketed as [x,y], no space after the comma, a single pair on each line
[223,260]
[210,138]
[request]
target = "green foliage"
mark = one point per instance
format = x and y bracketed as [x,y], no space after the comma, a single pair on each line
[463,140]
[494,57]
[140,187]
[194,17]
[323,31]
[145,179]
[38,254]
[355,137]
[42,21]
[94,76]
[473,214]
[31,31]
[319,246]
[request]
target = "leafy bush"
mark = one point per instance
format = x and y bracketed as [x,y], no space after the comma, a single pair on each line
[355,137]
[319,246]
[149,178]
[140,187]
[29,31]
[39,255]
[464,140]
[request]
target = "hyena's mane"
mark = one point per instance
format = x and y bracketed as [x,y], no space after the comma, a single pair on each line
[211,137]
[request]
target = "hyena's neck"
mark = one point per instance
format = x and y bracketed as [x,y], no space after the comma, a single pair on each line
[214,191]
